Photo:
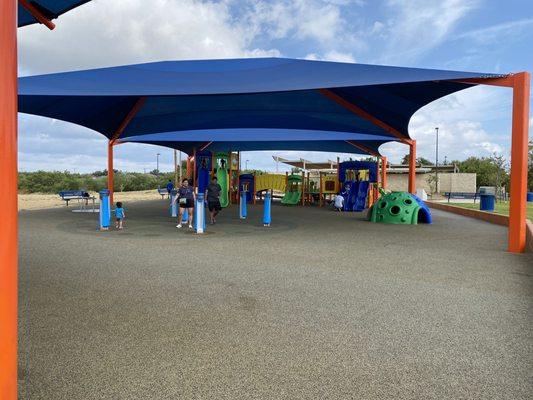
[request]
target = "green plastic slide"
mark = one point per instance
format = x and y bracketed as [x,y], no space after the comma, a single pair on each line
[222,178]
[291,198]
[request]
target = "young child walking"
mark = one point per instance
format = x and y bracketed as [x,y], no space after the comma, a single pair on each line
[119,215]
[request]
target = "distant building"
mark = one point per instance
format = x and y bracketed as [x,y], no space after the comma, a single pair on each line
[450,179]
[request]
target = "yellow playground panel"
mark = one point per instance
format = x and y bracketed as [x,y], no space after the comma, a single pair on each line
[329,184]
[270,181]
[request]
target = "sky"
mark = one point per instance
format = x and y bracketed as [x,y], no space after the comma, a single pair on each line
[468,35]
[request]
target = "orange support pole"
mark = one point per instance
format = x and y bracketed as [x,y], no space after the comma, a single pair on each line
[188,172]
[8,200]
[320,192]
[519,155]
[412,167]
[114,140]
[194,174]
[37,14]
[254,191]
[110,171]
[384,172]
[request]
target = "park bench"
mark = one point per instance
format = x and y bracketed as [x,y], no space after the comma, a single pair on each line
[163,192]
[461,195]
[80,195]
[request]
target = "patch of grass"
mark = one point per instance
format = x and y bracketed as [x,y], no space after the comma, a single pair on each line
[500,208]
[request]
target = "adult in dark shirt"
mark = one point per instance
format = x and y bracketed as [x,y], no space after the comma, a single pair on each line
[213,199]
[185,198]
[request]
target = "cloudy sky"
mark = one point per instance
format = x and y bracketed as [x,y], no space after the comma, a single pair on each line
[472,35]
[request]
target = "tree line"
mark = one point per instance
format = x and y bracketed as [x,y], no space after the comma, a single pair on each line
[53,182]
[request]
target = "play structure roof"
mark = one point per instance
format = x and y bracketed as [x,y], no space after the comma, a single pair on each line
[50,9]
[273,100]
[306,164]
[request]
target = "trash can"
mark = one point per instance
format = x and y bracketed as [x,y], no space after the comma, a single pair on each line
[487,202]
[530,197]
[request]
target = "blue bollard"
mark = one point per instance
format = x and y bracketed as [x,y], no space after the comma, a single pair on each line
[105,210]
[243,212]
[199,214]
[266,209]
[173,205]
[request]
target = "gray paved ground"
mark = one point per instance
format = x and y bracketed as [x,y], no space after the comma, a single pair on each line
[319,306]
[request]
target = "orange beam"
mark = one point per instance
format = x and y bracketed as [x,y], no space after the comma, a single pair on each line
[519,166]
[507,81]
[384,172]
[412,167]
[363,147]
[205,146]
[363,114]
[8,200]
[37,14]
[127,119]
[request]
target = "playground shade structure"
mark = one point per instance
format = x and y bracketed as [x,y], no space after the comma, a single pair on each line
[269,94]
[49,9]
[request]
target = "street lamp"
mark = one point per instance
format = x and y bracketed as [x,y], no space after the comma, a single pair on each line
[157,163]
[437,160]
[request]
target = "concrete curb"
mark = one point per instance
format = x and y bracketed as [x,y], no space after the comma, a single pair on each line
[492,218]
[497,219]
[529,236]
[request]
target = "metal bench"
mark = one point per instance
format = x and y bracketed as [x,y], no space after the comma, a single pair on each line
[163,192]
[461,195]
[82,196]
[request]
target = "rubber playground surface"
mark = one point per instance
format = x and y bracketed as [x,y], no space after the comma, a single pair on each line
[321,305]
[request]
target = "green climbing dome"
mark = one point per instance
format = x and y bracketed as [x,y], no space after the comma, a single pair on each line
[400,208]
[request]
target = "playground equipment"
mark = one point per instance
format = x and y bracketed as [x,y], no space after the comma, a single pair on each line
[266,209]
[223,178]
[400,208]
[243,212]
[199,214]
[293,192]
[270,181]
[247,185]
[203,166]
[328,185]
[173,204]
[355,178]
[105,210]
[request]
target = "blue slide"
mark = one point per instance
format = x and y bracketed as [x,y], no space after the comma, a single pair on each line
[355,194]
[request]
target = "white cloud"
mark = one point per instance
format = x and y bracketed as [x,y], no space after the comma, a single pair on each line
[130,31]
[332,55]
[417,26]
[461,135]
[500,31]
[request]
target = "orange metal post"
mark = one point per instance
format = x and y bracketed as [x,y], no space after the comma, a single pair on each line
[412,167]
[384,172]
[320,192]
[188,167]
[110,171]
[37,14]
[114,140]
[254,191]
[303,188]
[519,155]
[8,200]
[194,172]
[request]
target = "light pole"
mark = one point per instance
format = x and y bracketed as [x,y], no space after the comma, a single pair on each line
[437,160]
[246,165]
[157,163]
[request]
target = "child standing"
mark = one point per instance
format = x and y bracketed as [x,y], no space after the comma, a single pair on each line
[119,215]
